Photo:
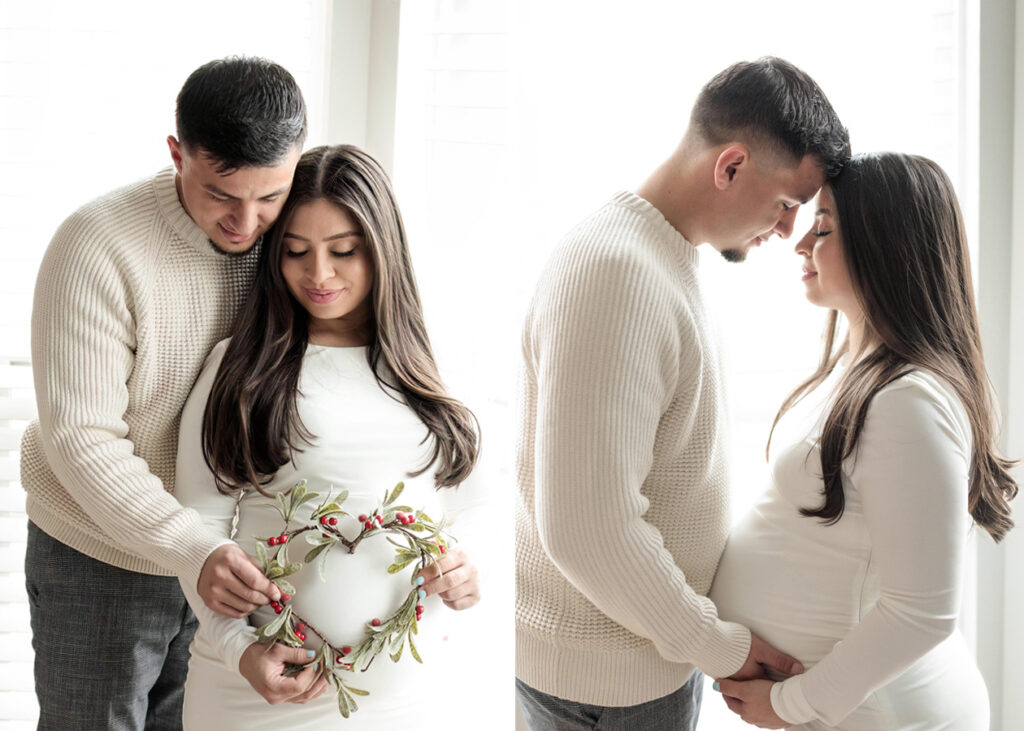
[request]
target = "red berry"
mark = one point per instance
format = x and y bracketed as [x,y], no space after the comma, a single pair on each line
[282,538]
[278,609]
[300,635]
[401,517]
[271,541]
[363,518]
[419,609]
[300,626]
[443,549]
[333,521]
[375,622]
[346,650]
[286,597]
[368,525]
[323,520]
[325,535]
[378,519]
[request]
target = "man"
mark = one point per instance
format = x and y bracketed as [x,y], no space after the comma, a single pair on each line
[134,290]
[622,509]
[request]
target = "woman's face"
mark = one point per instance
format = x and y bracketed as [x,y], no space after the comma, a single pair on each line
[825,274]
[329,271]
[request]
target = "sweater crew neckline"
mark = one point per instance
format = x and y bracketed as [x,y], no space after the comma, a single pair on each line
[687,252]
[177,217]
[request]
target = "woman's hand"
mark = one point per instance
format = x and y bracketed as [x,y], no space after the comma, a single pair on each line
[751,700]
[454,579]
[264,667]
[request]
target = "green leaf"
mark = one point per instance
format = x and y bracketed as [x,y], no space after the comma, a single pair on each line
[397,645]
[357,691]
[274,626]
[321,566]
[323,546]
[274,572]
[326,510]
[395,493]
[400,564]
[344,702]
[283,505]
[282,555]
[413,652]
[285,585]
[261,554]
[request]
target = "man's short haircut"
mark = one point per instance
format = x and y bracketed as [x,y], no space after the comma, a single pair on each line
[241,112]
[772,101]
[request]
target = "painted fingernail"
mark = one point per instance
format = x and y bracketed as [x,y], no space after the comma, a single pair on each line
[310,653]
[717,686]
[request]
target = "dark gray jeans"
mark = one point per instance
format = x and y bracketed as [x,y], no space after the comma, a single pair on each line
[111,645]
[677,711]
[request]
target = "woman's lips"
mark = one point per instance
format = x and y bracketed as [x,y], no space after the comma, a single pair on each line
[323,296]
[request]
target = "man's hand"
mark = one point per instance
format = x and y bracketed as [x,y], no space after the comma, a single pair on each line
[752,701]
[231,583]
[762,654]
[454,578]
[264,667]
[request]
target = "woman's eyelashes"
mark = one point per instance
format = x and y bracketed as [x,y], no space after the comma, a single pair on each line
[819,234]
[336,254]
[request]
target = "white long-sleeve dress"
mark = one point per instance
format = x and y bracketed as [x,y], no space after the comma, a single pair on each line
[366,441]
[869,605]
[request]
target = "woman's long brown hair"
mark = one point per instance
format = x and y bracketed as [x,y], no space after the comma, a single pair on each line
[251,426]
[906,250]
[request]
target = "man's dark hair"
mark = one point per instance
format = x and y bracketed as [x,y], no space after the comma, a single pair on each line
[773,101]
[241,112]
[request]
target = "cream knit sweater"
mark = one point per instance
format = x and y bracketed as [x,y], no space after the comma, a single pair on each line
[622,509]
[131,296]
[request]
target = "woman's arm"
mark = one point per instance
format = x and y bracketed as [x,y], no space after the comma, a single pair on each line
[911,471]
[195,488]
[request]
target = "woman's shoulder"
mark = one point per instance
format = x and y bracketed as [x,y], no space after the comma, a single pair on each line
[920,398]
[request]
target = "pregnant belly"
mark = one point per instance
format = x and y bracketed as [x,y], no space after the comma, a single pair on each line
[793,594]
[355,589]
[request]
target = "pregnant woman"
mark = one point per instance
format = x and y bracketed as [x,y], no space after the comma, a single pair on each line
[329,379]
[853,560]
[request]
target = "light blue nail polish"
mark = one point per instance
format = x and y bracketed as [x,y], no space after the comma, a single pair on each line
[310,653]
[421,593]
[717,686]
[419,581]
[316,666]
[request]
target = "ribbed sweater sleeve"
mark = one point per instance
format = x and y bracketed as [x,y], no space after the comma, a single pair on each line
[608,352]
[129,298]
[83,352]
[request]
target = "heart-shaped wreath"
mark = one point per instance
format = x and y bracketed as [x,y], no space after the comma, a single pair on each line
[421,542]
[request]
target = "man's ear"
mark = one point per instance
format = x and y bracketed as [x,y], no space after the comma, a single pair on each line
[731,160]
[175,148]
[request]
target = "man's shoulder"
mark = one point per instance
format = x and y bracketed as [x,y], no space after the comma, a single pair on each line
[117,207]
[113,226]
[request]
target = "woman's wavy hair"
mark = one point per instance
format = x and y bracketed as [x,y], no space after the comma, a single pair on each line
[251,426]
[905,246]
